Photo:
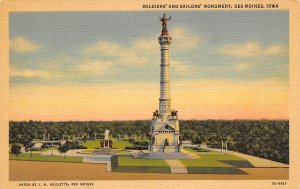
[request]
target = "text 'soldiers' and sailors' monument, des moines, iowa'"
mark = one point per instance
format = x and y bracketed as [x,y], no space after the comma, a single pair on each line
[165,135]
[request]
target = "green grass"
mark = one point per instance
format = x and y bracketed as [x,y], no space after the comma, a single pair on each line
[203,162]
[39,157]
[92,144]
[130,161]
[214,170]
[190,150]
[116,144]
[215,163]
[123,163]
[121,144]
[123,152]
[142,169]
[211,159]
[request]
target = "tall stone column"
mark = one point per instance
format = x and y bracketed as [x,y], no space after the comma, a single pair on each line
[165,99]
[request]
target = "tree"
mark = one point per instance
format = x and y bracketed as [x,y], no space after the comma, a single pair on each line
[197,140]
[16,149]
[29,146]
[64,148]
[263,138]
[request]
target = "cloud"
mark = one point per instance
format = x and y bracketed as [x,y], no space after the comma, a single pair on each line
[251,49]
[142,51]
[242,66]
[182,69]
[22,44]
[184,38]
[93,67]
[199,99]
[135,54]
[27,73]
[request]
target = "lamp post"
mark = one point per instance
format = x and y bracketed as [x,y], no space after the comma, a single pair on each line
[52,147]
[222,148]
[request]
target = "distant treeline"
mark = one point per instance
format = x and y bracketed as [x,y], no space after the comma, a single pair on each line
[264,138]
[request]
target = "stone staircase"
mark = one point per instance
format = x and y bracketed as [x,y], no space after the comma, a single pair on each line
[137,154]
[178,170]
[177,167]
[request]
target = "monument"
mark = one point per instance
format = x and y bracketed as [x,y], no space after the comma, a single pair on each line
[106,143]
[105,146]
[165,133]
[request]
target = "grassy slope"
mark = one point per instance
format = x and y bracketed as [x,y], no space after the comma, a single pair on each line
[39,157]
[130,161]
[215,163]
[211,159]
[129,164]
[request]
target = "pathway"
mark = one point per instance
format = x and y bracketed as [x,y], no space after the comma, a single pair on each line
[193,156]
[106,159]
[177,166]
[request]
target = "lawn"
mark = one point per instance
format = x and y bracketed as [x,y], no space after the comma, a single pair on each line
[204,162]
[39,157]
[121,144]
[93,144]
[116,144]
[211,159]
[216,163]
[127,163]
[130,161]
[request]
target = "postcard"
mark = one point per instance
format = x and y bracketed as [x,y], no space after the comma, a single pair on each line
[149,94]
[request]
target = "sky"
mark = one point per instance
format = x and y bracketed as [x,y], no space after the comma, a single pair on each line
[105,65]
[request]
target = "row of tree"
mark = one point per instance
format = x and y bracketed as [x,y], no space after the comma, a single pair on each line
[264,138]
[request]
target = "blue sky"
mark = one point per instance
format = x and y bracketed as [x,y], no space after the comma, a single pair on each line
[206,37]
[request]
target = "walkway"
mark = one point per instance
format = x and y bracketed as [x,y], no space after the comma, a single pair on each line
[177,167]
[190,154]
[255,161]
[106,159]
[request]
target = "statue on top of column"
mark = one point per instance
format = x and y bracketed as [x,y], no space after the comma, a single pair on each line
[164,20]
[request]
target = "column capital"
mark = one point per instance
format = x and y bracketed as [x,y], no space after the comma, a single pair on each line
[164,40]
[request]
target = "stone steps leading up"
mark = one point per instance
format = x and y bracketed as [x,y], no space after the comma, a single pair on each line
[177,166]
[137,154]
[178,170]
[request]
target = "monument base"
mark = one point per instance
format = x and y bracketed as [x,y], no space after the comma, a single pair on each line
[166,149]
[106,143]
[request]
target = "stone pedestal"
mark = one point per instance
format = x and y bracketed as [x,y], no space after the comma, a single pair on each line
[165,149]
[106,143]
